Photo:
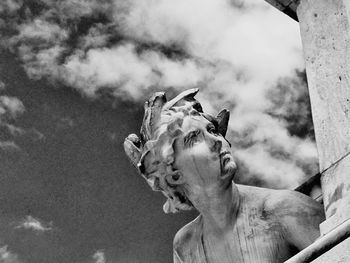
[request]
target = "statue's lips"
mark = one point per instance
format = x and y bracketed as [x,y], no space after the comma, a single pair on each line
[225,157]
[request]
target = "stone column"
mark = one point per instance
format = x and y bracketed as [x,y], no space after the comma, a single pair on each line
[325,32]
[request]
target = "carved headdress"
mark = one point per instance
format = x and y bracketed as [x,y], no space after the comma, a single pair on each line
[153,153]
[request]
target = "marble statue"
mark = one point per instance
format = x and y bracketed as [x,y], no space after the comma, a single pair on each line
[183,153]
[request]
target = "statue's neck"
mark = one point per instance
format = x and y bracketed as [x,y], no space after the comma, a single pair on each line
[219,208]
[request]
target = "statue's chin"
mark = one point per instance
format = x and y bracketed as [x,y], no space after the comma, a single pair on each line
[228,166]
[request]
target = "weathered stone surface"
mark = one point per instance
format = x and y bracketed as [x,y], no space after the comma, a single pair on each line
[325,32]
[334,221]
[324,27]
[323,244]
[338,254]
[336,194]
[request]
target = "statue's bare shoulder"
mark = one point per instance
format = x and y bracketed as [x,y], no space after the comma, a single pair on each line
[288,202]
[299,214]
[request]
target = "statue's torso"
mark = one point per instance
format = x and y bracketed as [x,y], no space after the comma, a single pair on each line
[253,239]
[256,237]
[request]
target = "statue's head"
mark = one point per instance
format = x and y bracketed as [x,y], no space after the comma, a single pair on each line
[181,150]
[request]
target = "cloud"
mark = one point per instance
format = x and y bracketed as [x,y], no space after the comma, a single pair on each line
[10,5]
[126,73]
[276,146]
[40,32]
[99,257]
[7,256]
[10,107]
[9,146]
[65,122]
[246,41]
[31,223]
[242,54]
[221,34]
[259,41]
[13,130]
[34,135]
[2,86]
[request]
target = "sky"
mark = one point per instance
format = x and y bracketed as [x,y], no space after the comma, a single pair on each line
[74,75]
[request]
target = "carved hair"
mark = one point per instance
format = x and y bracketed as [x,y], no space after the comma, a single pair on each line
[153,153]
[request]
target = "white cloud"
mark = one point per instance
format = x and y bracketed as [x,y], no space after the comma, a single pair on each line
[31,223]
[2,84]
[124,71]
[10,106]
[236,51]
[306,150]
[257,41]
[97,37]
[74,9]
[9,146]
[10,109]
[260,41]
[10,5]
[274,172]
[99,257]
[95,71]
[34,134]
[6,256]
[42,31]
[13,130]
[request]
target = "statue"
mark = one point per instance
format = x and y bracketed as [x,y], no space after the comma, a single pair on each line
[183,153]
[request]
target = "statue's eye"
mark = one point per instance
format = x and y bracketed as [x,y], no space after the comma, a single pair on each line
[191,138]
[211,128]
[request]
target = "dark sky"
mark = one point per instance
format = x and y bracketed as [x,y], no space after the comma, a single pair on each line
[75,178]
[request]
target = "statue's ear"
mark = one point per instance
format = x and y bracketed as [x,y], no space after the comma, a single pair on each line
[131,148]
[175,178]
[222,119]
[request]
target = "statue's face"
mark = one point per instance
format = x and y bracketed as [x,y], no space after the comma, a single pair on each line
[202,155]
[180,151]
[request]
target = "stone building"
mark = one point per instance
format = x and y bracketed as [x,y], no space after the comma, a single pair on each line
[325,32]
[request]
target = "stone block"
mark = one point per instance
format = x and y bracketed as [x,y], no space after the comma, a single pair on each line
[336,194]
[338,254]
[325,33]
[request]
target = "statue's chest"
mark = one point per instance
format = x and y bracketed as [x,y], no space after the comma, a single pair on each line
[251,240]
